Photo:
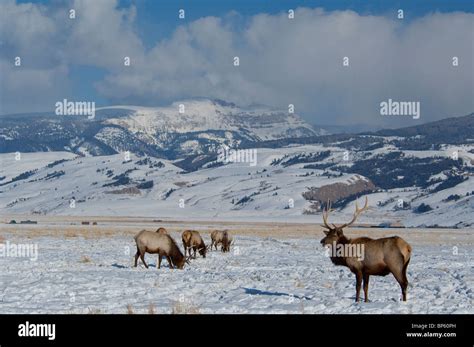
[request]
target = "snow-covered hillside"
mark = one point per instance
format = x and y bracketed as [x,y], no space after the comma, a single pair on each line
[167,162]
[271,190]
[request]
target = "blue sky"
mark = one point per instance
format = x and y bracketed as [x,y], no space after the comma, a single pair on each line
[174,58]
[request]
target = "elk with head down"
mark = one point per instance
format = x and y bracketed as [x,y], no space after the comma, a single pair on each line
[161,244]
[223,238]
[192,240]
[380,256]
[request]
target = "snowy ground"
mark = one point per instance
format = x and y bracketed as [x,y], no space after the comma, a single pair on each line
[263,274]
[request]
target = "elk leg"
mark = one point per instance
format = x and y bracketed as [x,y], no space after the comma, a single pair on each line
[136,257]
[142,257]
[366,287]
[401,277]
[194,251]
[159,261]
[358,284]
[405,281]
[169,261]
[404,290]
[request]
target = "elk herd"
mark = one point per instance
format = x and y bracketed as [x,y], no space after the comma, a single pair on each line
[379,257]
[161,243]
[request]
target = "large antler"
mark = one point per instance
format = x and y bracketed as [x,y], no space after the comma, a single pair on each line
[326,212]
[357,212]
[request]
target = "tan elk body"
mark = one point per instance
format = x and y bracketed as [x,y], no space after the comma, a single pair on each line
[380,256]
[192,240]
[223,238]
[161,244]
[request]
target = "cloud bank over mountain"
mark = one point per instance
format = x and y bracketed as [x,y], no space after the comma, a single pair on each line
[282,61]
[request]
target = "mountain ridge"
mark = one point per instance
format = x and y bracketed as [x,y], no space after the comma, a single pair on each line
[159,131]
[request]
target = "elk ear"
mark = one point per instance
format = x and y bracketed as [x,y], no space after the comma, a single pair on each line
[339,232]
[326,232]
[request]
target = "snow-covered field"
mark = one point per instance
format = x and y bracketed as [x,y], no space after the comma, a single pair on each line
[266,272]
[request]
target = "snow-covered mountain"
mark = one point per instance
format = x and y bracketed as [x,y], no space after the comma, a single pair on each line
[202,115]
[194,126]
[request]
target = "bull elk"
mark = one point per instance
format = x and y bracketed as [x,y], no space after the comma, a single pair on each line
[380,256]
[161,244]
[223,238]
[192,240]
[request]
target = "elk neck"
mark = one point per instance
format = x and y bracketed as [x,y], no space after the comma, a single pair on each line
[341,261]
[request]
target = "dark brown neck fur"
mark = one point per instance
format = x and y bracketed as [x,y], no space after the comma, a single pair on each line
[341,261]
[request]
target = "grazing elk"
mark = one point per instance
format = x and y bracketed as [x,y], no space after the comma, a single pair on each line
[193,240]
[161,244]
[223,238]
[380,256]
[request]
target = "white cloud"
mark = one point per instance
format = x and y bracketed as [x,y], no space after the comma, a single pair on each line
[102,35]
[300,61]
[29,89]
[28,32]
